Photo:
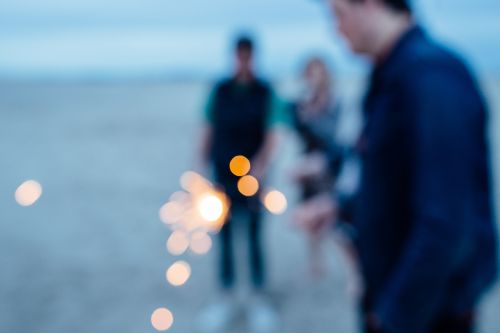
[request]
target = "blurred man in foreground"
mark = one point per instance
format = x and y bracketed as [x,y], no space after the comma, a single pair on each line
[425,235]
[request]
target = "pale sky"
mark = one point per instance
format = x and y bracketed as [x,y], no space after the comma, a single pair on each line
[137,38]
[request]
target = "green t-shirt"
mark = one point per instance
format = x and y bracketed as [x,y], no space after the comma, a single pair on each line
[276,116]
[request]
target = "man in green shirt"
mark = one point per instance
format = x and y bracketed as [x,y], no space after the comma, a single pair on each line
[240,119]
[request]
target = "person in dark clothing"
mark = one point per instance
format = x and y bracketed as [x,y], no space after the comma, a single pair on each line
[425,233]
[240,118]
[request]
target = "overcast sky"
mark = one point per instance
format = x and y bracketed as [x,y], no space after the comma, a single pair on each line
[87,38]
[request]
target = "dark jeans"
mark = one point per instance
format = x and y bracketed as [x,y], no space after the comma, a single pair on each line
[249,209]
[463,323]
[450,324]
[252,229]
[455,324]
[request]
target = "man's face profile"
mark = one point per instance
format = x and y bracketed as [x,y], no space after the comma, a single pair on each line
[353,22]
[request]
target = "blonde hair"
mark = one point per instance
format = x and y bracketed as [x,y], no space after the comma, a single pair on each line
[317,62]
[318,74]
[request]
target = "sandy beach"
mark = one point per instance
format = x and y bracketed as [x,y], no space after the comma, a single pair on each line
[90,255]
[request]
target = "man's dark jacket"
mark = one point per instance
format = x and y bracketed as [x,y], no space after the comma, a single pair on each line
[425,230]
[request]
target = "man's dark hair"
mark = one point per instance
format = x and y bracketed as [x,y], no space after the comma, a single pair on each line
[399,5]
[244,43]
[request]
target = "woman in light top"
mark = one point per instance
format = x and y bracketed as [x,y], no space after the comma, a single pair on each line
[315,116]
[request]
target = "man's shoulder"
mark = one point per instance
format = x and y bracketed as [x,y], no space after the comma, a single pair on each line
[258,82]
[223,83]
[427,56]
[434,74]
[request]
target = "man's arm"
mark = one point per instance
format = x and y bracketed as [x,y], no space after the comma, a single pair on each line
[206,134]
[262,159]
[204,147]
[276,116]
[438,102]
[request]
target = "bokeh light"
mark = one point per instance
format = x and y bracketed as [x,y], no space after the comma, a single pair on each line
[178,273]
[190,221]
[179,197]
[239,165]
[200,243]
[194,182]
[177,243]
[200,206]
[210,207]
[171,212]
[275,202]
[162,319]
[28,193]
[248,185]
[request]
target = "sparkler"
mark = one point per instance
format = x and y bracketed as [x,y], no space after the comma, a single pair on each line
[198,210]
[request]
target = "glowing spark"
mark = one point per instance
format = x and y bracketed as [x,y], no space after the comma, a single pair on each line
[201,243]
[170,212]
[194,183]
[177,243]
[201,207]
[275,202]
[162,319]
[211,208]
[178,273]
[248,186]
[28,193]
[239,165]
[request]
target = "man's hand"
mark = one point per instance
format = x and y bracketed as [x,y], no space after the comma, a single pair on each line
[316,214]
[260,163]
[312,166]
[259,168]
